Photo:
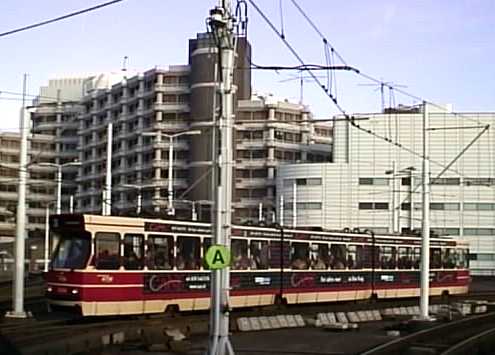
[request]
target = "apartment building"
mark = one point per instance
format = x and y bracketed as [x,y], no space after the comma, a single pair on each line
[270,133]
[41,191]
[155,102]
[374,184]
[147,109]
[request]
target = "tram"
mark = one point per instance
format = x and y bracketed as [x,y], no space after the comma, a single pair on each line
[106,265]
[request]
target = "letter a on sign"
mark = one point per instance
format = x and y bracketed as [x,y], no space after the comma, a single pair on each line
[217,257]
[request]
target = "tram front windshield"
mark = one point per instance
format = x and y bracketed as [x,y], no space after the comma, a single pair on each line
[72,250]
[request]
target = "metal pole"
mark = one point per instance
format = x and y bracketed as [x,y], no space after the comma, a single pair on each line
[281,211]
[47,235]
[194,215]
[71,204]
[294,204]
[395,193]
[170,209]
[139,201]
[411,202]
[59,189]
[221,22]
[425,240]
[107,207]
[20,240]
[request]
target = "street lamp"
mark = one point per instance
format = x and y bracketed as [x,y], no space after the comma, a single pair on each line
[158,135]
[139,189]
[59,179]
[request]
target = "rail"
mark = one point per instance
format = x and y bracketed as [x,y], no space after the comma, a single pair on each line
[441,339]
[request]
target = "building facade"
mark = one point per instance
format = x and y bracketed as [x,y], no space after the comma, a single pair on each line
[41,190]
[373,184]
[147,109]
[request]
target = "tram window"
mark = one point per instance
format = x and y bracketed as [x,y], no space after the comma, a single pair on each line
[354,256]
[275,255]
[188,253]
[367,256]
[319,256]
[448,258]
[405,261]
[133,251]
[462,259]
[259,254]
[416,258]
[160,254]
[435,258]
[338,256]
[299,256]
[388,258]
[351,256]
[206,246]
[240,260]
[107,251]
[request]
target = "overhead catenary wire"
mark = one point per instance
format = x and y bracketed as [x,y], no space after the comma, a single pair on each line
[348,117]
[60,18]
[367,76]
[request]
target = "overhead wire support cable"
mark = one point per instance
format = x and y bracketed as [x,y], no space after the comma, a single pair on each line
[72,14]
[348,117]
[293,51]
[325,41]
[369,77]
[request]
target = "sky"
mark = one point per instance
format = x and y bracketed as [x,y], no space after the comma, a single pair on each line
[441,50]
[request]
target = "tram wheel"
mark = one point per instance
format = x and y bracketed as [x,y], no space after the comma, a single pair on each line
[280,300]
[172,310]
[445,297]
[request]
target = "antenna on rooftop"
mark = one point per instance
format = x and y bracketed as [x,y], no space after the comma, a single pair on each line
[124,64]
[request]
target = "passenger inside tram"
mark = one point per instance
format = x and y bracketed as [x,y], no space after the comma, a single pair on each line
[300,256]
[337,253]
[259,254]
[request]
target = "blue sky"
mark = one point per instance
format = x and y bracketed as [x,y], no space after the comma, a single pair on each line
[442,50]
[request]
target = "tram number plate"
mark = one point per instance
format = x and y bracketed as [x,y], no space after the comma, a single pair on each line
[62,290]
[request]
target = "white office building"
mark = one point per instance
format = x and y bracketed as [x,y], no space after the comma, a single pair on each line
[368,184]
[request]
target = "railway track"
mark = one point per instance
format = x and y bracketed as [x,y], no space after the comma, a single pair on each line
[468,336]
[63,334]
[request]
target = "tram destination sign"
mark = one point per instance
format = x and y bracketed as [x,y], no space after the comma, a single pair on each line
[176,228]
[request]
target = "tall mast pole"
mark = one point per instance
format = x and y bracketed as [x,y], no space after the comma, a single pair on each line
[107,200]
[425,235]
[21,231]
[222,27]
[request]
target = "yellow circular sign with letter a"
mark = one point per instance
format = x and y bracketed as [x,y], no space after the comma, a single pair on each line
[217,257]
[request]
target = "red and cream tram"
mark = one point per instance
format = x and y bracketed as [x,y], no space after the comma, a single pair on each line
[118,265]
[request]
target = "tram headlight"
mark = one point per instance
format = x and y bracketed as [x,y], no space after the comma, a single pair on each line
[75,291]
[49,289]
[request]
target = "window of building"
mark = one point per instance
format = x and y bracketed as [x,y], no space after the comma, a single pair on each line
[479,181]
[479,231]
[373,205]
[373,181]
[448,206]
[445,181]
[479,206]
[307,206]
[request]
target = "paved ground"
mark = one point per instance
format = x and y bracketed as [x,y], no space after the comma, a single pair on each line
[302,341]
